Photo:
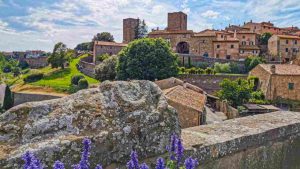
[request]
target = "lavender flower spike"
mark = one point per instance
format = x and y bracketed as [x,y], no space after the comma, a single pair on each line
[98,166]
[144,166]
[58,165]
[160,163]
[179,151]
[190,163]
[84,162]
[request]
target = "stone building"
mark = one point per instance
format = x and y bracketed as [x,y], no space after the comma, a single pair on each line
[187,99]
[284,48]
[278,81]
[111,48]
[129,29]
[177,21]
[263,27]
[248,42]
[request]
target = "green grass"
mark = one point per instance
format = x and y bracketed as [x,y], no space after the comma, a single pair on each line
[60,79]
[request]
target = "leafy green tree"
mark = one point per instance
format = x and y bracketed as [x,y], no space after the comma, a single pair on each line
[252,61]
[107,69]
[147,59]
[264,38]
[236,92]
[86,46]
[59,56]
[102,57]
[141,30]
[222,68]
[104,36]
[8,101]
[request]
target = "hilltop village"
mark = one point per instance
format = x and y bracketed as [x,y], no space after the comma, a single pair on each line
[232,97]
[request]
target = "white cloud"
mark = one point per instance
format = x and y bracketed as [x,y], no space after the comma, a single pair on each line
[211,14]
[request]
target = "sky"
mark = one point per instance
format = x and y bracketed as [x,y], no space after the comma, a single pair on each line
[39,24]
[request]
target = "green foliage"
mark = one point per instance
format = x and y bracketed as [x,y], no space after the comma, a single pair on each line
[86,46]
[147,59]
[222,68]
[23,65]
[235,69]
[141,30]
[102,57]
[264,38]
[107,69]
[59,56]
[75,79]
[83,84]
[202,65]
[33,77]
[171,164]
[8,101]
[252,61]
[104,36]
[209,71]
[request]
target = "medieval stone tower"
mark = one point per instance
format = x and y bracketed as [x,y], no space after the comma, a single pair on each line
[129,29]
[177,21]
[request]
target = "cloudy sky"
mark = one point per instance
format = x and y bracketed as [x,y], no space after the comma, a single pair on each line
[39,24]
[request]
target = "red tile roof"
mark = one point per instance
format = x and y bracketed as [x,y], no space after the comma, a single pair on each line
[103,43]
[282,69]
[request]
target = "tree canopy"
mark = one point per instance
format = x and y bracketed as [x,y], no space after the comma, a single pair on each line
[264,38]
[86,46]
[252,61]
[59,56]
[141,30]
[104,36]
[147,59]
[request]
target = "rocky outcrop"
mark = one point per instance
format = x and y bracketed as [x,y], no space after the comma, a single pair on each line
[117,117]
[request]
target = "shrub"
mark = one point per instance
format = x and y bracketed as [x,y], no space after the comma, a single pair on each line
[33,77]
[182,70]
[107,69]
[102,57]
[222,68]
[200,71]
[8,99]
[175,153]
[193,70]
[75,79]
[83,84]
[147,59]
[202,65]
[236,69]
[209,71]
[252,61]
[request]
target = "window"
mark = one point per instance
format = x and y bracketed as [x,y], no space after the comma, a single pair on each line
[217,55]
[296,42]
[218,46]
[232,46]
[287,41]
[244,37]
[291,86]
[251,43]
[242,51]
[286,49]
[228,57]
[222,36]
[203,41]
[243,43]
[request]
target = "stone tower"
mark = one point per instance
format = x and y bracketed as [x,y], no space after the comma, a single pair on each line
[129,29]
[177,21]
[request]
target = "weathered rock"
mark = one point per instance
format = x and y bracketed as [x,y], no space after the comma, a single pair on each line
[117,117]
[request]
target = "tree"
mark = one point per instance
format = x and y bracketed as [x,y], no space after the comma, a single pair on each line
[147,59]
[252,61]
[104,36]
[59,56]
[141,30]
[86,46]
[8,101]
[264,38]
[236,92]
[107,69]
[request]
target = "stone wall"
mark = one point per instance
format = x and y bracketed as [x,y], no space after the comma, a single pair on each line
[37,62]
[86,67]
[20,98]
[209,83]
[266,141]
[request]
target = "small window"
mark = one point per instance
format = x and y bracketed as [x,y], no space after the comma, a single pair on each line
[242,51]
[222,36]
[286,49]
[296,42]
[244,37]
[203,41]
[291,86]
[232,46]
[228,57]
[287,41]
[217,55]
[218,46]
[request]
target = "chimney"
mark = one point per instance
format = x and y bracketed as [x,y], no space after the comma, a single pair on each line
[273,69]
[251,21]
[234,34]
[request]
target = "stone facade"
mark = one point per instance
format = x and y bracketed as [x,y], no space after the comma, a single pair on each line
[36,62]
[284,48]
[111,48]
[278,81]
[177,21]
[226,49]
[263,27]
[129,29]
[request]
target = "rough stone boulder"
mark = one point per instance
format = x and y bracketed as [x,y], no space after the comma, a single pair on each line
[117,117]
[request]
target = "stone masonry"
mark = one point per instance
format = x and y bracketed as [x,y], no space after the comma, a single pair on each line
[129,29]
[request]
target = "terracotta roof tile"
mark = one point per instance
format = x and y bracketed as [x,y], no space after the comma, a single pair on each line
[282,69]
[103,43]
[288,36]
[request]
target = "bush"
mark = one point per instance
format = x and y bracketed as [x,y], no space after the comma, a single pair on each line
[209,71]
[33,77]
[147,59]
[102,57]
[107,69]
[83,84]
[252,61]
[202,65]
[222,68]
[235,69]
[8,101]
[75,79]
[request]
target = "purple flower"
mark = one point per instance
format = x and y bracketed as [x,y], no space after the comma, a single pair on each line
[84,162]
[134,162]
[179,151]
[58,165]
[77,166]
[190,163]
[31,162]
[98,166]
[172,146]
[144,166]
[160,163]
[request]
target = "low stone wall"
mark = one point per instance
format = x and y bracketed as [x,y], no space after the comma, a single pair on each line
[20,98]
[87,67]
[209,83]
[35,63]
[265,141]
[229,111]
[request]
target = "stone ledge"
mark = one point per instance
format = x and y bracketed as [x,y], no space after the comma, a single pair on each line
[232,136]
